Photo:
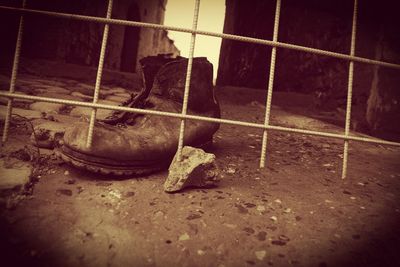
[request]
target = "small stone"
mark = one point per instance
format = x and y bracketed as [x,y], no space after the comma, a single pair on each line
[101,114]
[278,201]
[42,88]
[197,169]
[260,208]
[230,170]
[229,225]
[250,205]
[117,99]
[159,214]
[80,95]
[284,238]
[274,218]
[193,216]
[14,175]
[47,107]
[66,173]
[201,252]
[184,237]
[115,194]
[287,210]
[260,254]
[241,209]
[129,194]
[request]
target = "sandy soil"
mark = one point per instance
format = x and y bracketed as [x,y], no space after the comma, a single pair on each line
[295,212]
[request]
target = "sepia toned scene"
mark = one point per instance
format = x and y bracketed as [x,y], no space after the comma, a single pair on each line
[199,133]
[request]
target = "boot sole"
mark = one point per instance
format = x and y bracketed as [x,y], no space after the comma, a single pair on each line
[83,162]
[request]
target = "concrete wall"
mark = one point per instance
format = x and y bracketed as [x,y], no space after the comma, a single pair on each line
[324,25]
[79,42]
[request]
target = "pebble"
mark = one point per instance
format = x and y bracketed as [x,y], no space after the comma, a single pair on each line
[86,111]
[184,237]
[274,218]
[47,107]
[200,252]
[288,210]
[230,170]
[260,208]
[197,168]
[260,254]
[229,225]
[80,95]
[15,174]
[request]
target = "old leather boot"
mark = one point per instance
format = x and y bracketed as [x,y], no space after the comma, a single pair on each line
[140,144]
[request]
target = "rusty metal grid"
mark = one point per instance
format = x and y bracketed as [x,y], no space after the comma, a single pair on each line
[183,115]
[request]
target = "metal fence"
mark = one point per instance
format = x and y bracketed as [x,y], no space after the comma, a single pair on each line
[266,126]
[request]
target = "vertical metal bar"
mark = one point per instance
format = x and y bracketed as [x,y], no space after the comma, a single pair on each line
[14,73]
[99,75]
[187,82]
[349,91]
[270,84]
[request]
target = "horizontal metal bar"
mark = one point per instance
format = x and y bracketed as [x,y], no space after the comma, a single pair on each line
[214,34]
[201,118]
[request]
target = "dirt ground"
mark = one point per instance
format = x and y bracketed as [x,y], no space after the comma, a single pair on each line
[295,212]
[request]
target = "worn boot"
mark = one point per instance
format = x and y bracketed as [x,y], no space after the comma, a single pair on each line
[135,144]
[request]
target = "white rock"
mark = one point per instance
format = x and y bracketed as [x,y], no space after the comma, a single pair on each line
[117,99]
[86,112]
[260,208]
[14,175]
[47,107]
[42,88]
[197,169]
[80,95]
[260,255]
[184,237]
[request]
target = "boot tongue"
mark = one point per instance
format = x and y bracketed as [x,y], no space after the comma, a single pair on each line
[149,69]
